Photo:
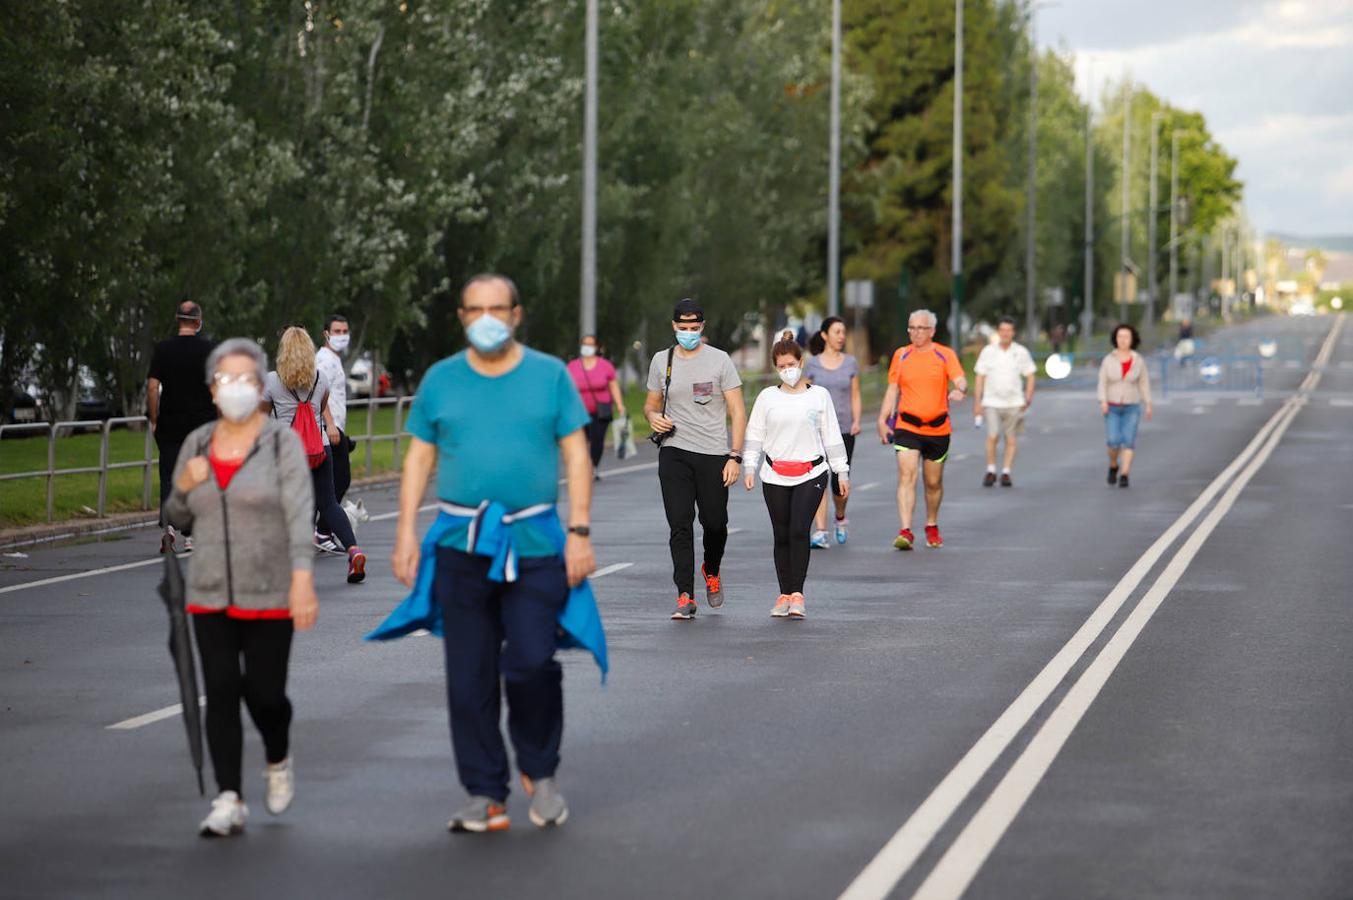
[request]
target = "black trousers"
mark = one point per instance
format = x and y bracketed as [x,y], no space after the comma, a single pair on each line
[690,482]
[332,519]
[500,638]
[849,441]
[791,519]
[168,448]
[342,466]
[264,645]
[596,439]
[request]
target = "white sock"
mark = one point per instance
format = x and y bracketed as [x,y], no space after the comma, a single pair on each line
[1005,471]
[992,469]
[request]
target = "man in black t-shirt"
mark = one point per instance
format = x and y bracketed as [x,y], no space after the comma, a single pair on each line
[178,400]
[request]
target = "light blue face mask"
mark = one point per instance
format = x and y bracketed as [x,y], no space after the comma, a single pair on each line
[488,333]
[689,340]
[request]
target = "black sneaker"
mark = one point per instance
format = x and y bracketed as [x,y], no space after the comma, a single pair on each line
[988,479]
[1122,481]
[1113,475]
[1005,480]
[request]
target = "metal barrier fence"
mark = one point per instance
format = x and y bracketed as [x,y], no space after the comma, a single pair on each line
[1199,372]
[149,459]
[105,426]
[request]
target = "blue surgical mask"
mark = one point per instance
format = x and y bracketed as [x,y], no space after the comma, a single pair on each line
[689,340]
[488,333]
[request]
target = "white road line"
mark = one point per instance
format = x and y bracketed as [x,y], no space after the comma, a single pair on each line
[1341,401]
[58,579]
[732,531]
[969,851]
[610,570]
[865,487]
[151,717]
[394,515]
[896,858]
[961,457]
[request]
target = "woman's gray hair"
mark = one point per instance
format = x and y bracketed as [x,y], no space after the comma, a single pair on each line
[931,319]
[238,347]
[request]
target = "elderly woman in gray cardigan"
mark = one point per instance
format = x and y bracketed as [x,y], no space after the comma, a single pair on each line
[243,485]
[1124,393]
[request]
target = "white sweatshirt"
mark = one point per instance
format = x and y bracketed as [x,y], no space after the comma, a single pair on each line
[793,428]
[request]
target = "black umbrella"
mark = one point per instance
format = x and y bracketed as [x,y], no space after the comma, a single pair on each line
[181,650]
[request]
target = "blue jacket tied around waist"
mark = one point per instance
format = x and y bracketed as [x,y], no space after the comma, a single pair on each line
[491,535]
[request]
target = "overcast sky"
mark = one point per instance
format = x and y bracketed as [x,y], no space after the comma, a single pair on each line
[1273,77]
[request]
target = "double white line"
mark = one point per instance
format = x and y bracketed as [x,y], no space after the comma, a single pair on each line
[969,851]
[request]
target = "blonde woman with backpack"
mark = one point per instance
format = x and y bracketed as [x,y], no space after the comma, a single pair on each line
[296,394]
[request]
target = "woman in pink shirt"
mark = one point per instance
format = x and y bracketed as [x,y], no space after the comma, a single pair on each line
[595,378]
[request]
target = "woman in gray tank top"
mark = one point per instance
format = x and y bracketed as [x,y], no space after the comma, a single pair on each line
[837,371]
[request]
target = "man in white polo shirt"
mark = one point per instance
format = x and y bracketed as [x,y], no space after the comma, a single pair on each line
[1005,388]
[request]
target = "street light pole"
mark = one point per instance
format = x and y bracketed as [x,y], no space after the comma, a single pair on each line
[1174,214]
[1030,256]
[834,176]
[956,237]
[1152,249]
[1088,309]
[588,317]
[1126,176]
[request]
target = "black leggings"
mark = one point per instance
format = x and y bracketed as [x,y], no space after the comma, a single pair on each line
[265,645]
[690,481]
[791,518]
[342,466]
[332,519]
[169,453]
[596,439]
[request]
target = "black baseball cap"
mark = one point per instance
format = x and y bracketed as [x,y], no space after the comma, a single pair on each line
[189,311]
[685,309]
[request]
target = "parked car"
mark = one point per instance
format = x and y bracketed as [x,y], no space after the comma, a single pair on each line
[360,379]
[95,402]
[21,409]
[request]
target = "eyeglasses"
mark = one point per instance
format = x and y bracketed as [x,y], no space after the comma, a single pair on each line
[224,378]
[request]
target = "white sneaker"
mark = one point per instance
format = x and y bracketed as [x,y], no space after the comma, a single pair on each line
[325,543]
[227,816]
[281,786]
[187,543]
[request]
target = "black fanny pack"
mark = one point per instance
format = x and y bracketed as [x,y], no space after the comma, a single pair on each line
[918,422]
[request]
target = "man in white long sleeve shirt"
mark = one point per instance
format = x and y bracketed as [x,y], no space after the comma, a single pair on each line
[793,441]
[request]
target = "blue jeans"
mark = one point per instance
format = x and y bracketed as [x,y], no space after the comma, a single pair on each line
[500,638]
[1120,425]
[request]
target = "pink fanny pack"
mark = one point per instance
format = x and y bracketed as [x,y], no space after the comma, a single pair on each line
[792,468]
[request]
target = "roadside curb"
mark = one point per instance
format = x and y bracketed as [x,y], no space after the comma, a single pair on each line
[68,529]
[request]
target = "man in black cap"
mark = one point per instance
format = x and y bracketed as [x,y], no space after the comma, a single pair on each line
[693,390]
[177,401]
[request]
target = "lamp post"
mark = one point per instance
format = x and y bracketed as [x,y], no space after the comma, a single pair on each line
[1088,309]
[1152,249]
[1125,237]
[1174,214]
[956,235]
[834,176]
[588,312]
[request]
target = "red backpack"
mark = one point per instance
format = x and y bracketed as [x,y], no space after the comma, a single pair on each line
[307,429]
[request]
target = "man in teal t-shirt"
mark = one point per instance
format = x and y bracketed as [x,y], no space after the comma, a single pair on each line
[496,419]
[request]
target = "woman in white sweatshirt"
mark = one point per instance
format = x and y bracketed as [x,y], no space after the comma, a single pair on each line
[793,441]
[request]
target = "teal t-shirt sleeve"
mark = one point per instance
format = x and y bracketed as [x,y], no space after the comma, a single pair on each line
[570,413]
[421,422]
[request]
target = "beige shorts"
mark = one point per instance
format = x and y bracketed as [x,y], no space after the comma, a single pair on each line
[1005,422]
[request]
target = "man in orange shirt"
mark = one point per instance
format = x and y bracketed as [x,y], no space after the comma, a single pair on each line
[914,418]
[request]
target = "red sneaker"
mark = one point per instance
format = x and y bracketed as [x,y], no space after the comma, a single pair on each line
[932,536]
[356,566]
[904,539]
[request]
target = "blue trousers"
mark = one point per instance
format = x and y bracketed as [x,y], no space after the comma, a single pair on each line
[501,637]
[1120,426]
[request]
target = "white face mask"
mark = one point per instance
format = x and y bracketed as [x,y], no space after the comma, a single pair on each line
[238,401]
[587,350]
[339,342]
[791,375]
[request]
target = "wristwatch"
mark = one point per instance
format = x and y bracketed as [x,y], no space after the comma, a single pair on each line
[580,530]
[736,457]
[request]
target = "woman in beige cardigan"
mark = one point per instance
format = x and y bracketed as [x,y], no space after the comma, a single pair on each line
[1124,391]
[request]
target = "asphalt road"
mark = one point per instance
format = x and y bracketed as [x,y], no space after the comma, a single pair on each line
[1200,751]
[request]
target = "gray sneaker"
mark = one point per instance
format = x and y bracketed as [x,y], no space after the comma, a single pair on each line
[796,606]
[713,589]
[547,804]
[480,815]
